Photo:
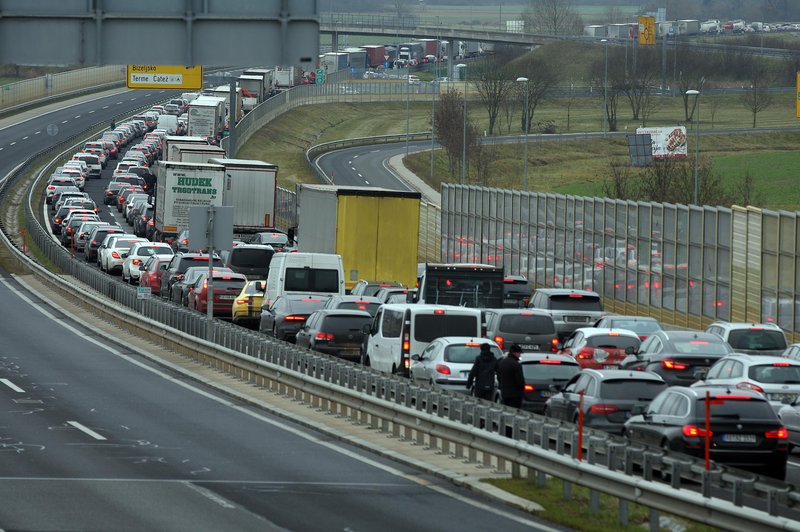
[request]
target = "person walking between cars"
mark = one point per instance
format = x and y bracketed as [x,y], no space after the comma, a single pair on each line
[512,381]
[483,373]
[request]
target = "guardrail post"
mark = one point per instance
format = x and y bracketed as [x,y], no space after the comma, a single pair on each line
[594,501]
[623,512]
[567,490]
[655,521]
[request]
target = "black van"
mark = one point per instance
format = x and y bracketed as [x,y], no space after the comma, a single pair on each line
[532,329]
[252,260]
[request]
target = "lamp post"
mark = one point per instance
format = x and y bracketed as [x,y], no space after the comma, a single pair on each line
[605,90]
[408,98]
[696,94]
[527,128]
[463,71]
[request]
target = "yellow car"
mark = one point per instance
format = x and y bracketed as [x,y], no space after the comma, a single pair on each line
[246,309]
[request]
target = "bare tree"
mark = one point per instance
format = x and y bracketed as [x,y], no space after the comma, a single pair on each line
[543,76]
[449,124]
[712,104]
[756,97]
[608,81]
[641,82]
[494,86]
[691,76]
[483,156]
[508,105]
[552,17]
[745,192]
[567,101]
[672,181]
[649,103]
[620,185]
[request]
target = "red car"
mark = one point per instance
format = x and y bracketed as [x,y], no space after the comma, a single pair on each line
[227,287]
[600,348]
[154,268]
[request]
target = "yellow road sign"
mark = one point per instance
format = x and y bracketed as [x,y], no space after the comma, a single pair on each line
[164,77]
[647,30]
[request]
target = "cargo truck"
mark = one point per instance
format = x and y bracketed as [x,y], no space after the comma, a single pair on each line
[286,77]
[171,142]
[375,230]
[356,58]
[206,117]
[189,153]
[181,186]
[462,285]
[250,187]
[334,61]
[267,74]
[376,55]
[224,92]
[253,91]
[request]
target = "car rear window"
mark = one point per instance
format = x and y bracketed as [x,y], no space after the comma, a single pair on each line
[577,302]
[251,257]
[188,262]
[637,390]
[619,342]
[466,354]
[756,339]
[637,326]
[527,324]
[780,373]
[147,251]
[746,408]
[366,306]
[429,327]
[231,283]
[561,371]
[344,324]
[311,280]
[703,347]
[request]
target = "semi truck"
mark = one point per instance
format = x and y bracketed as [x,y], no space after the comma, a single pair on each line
[375,55]
[286,77]
[267,74]
[172,142]
[250,187]
[181,186]
[193,153]
[334,61]
[356,58]
[206,117]
[224,92]
[373,229]
[253,91]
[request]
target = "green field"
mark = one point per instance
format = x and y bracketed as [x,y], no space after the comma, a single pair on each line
[569,167]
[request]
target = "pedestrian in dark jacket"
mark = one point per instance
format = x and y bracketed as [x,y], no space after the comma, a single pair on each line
[483,373]
[512,381]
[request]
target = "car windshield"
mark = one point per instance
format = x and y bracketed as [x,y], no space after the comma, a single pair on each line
[609,341]
[466,354]
[578,302]
[703,347]
[756,339]
[311,280]
[251,257]
[779,373]
[527,324]
[429,327]
[188,262]
[632,389]
[560,371]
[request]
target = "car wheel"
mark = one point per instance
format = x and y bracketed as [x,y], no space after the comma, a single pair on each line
[777,471]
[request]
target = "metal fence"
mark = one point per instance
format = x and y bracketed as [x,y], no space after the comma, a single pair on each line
[685,265]
[28,90]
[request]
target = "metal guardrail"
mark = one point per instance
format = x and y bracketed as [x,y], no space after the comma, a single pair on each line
[516,441]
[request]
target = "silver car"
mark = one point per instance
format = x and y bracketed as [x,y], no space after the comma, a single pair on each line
[778,378]
[447,361]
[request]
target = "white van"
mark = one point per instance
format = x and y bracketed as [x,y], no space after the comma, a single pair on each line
[168,123]
[400,331]
[304,273]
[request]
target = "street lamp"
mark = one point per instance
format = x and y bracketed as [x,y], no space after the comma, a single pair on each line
[408,98]
[527,128]
[696,94]
[463,71]
[605,90]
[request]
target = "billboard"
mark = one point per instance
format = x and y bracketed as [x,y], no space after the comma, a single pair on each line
[667,141]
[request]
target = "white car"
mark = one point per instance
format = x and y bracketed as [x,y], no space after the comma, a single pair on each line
[93,161]
[778,378]
[447,361]
[112,252]
[138,255]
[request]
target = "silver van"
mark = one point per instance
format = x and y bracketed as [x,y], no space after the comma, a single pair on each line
[570,309]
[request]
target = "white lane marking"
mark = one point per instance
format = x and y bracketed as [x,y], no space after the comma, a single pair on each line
[350,162]
[13,143]
[359,175]
[1,148]
[12,385]
[146,95]
[25,138]
[92,111]
[105,107]
[355,156]
[367,182]
[86,430]
[210,495]
[353,168]
[133,99]
[78,116]
[37,132]
[119,103]
[277,423]
[793,464]
[64,121]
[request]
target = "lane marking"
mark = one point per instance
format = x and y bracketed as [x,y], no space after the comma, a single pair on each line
[210,495]
[133,99]
[37,132]
[277,423]
[92,111]
[105,107]
[12,385]
[119,103]
[350,162]
[25,138]
[359,175]
[78,116]
[13,143]
[1,148]
[86,430]
[355,156]
[64,121]
[367,182]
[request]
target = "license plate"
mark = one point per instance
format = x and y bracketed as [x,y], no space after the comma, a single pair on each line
[530,347]
[546,393]
[739,438]
[610,366]
[227,297]
[465,374]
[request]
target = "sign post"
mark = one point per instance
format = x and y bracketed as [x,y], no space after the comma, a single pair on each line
[164,77]
[319,76]
[211,228]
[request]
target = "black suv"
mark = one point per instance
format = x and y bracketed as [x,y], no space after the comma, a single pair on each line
[178,266]
[95,238]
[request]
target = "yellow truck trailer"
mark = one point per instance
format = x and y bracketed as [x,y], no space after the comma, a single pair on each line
[375,230]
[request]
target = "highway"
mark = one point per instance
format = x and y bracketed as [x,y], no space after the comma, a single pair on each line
[113,441]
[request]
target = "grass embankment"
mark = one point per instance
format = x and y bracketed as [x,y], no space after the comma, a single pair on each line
[567,167]
[575,513]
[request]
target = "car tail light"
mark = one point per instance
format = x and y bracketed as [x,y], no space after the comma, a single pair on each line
[499,341]
[323,336]
[779,434]
[136,262]
[586,353]
[152,277]
[782,364]
[603,409]
[441,368]
[749,386]
[671,364]
[529,388]
[693,431]
[549,361]
[57,220]
[438,312]
[553,345]
[295,318]
[115,255]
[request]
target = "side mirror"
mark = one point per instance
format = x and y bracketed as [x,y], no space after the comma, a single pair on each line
[416,358]
[630,350]
[700,374]
[142,268]
[559,346]
[555,388]
[366,328]
[637,410]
